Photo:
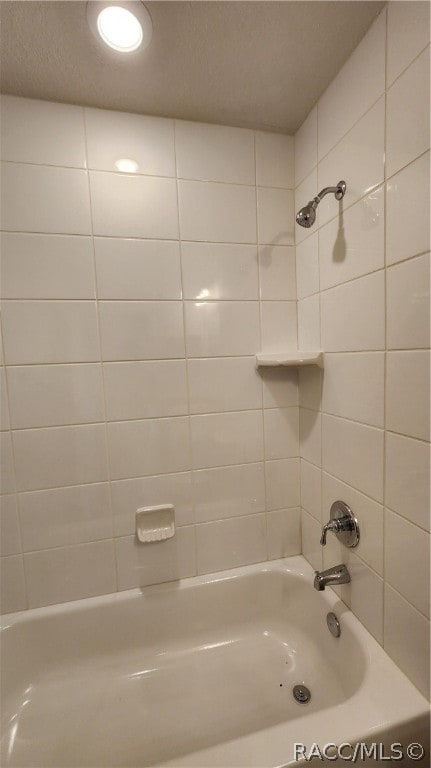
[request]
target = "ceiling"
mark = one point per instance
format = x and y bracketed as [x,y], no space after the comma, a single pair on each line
[253,64]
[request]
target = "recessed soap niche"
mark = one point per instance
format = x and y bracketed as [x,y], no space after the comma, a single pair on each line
[155,523]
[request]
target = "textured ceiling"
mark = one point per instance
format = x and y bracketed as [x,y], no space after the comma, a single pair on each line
[253,64]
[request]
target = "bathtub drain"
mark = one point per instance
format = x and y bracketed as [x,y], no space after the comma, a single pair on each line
[301,694]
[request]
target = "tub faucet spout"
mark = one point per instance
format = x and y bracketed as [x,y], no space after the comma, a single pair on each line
[338,574]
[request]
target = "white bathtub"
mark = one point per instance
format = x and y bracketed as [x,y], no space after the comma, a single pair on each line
[198,673]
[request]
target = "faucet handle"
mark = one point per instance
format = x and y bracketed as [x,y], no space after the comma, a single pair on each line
[343,523]
[333,526]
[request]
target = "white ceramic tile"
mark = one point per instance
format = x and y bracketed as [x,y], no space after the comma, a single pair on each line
[309,323]
[307,266]
[354,386]
[228,492]
[7,474]
[37,198]
[226,438]
[114,136]
[47,267]
[275,216]
[42,132]
[306,147]
[65,516]
[12,584]
[151,447]
[408,393]
[370,518]
[70,573]
[305,192]
[219,271]
[353,316]
[50,332]
[353,244]
[137,269]
[364,594]
[310,435]
[408,34]
[407,104]
[224,384]
[134,206]
[283,533]
[281,430]
[59,456]
[214,152]
[354,453]
[310,387]
[356,87]
[311,489]
[4,406]
[275,160]
[407,639]
[230,543]
[278,325]
[277,272]
[55,395]
[408,304]
[280,387]
[145,390]
[282,484]
[358,159]
[221,328]
[310,534]
[10,538]
[130,495]
[408,478]
[144,330]
[407,211]
[142,564]
[407,560]
[221,213]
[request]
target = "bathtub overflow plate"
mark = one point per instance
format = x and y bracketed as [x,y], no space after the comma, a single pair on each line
[301,694]
[333,624]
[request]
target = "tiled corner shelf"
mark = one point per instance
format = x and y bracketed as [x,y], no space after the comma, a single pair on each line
[290,358]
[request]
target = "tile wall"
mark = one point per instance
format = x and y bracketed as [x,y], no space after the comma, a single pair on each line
[363,297]
[133,305]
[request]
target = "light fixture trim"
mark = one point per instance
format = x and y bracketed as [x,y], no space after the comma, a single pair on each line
[125,27]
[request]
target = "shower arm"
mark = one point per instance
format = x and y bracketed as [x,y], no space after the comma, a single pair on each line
[337,191]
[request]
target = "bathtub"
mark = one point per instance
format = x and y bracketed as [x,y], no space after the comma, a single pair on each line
[199,673]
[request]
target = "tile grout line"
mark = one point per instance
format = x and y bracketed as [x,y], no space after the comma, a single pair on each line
[385,370]
[260,335]
[15,493]
[186,358]
[99,338]
[320,331]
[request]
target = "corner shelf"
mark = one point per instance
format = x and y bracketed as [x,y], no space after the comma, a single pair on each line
[290,358]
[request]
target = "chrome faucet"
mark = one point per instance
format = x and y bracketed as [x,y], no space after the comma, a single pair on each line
[338,574]
[343,523]
[334,526]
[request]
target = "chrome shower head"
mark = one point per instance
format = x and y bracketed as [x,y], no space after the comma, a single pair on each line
[307,215]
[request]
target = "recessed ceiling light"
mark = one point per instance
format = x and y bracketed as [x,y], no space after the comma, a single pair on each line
[124,26]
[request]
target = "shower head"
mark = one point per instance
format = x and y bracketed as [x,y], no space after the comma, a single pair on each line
[307,215]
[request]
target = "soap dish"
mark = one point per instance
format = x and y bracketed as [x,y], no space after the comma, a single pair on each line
[155,523]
